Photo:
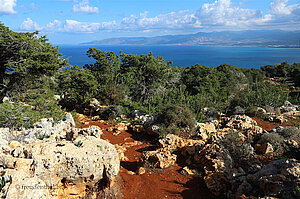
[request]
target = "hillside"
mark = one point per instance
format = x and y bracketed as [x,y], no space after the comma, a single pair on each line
[269,38]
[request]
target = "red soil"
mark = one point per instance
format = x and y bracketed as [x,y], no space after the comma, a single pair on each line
[270,125]
[168,183]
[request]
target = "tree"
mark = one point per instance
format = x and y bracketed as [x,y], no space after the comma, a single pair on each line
[145,75]
[77,86]
[106,72]
[25,55]
[106,67]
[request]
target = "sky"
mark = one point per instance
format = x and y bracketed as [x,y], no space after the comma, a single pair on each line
[79,21]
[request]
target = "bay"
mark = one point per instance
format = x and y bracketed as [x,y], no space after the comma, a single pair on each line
[184,56]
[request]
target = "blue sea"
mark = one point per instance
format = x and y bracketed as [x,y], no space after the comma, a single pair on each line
[184,56]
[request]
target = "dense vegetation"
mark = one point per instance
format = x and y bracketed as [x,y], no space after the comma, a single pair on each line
[32,72]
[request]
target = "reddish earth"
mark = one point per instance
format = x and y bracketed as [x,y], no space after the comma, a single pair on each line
[266,125]
[158,184]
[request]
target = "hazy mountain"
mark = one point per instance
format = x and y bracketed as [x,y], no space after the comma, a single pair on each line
[274,38]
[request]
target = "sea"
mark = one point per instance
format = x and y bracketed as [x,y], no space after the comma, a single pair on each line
[185,56]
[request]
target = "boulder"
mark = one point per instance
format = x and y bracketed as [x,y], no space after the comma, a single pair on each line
[14,144]
[217,164]
[288,107]
[66,157]
[188,171]
[206,128]
[279,177]
[91,131]
[28,187]
[94,160]
[157,159]
[173,142]
[264,148]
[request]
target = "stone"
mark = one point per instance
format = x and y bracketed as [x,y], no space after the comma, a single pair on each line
[203,136]
[4,147]
[29,188]
[91,131]
[94,103]
[14,144]
[131,173]
[279,177]
[121,127]
[158,159]
[148,119]
[141,171]
[56,161]
[217,164]
[64,157]
[138,128]
[206,128]
[153,129]
[288,107]
[5,99]
[264,148]
[188,171]
[173,142]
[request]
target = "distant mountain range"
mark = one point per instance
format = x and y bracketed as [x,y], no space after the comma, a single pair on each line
[271,38]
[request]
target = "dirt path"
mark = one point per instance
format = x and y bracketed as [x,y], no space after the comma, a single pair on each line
[168,183]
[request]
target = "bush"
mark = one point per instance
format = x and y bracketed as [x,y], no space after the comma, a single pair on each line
[258,112]
[77,86]
[31,101]
[19,115]
[176,119]
[291,133]
[112,112]
[276,140]
[241,152]
[110,95]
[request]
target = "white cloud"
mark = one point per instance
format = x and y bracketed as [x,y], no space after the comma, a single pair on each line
[52,25]
[29,25]
[218,15]
[281,15]
[76,26]
[7,7]
[84,7]
[279,7]
[223,13]
[171,20]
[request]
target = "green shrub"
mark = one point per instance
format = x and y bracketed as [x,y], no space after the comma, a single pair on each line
[241,152]
[112,112]
[110,95]
[30,102]
[19,115]
[176,119]
[77,86]
[255,111]
[276,140]
[291,133]
[260,94]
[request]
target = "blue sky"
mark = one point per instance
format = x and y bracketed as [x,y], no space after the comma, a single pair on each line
[77,21]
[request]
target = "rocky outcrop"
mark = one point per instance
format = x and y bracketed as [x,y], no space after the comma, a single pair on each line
[217,164]
[289,107]
[278,179]
[157,159]
[62,164]
[173,142]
